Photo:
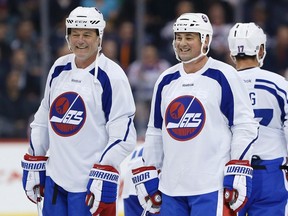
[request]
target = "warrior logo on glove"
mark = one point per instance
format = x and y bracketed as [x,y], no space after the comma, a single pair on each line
[237,183]
[34,174]
[102,189]
[146,183]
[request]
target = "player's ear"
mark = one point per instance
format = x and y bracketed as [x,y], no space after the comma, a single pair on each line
[206,43]
[261,51]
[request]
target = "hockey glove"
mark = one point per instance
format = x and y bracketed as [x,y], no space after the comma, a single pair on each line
[237,183]
[34,174]
[146,182]
[102,190]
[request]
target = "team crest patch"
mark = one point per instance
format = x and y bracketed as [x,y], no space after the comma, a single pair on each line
[67,114]
[185,118]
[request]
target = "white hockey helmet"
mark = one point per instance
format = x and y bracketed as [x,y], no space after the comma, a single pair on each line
[246,39]
[194,22]
[87,18]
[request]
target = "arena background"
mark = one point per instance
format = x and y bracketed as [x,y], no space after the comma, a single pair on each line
[13,201]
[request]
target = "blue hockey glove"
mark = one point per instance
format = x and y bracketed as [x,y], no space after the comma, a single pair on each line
[237,183]
[34,174]
[146,182]
[102,189]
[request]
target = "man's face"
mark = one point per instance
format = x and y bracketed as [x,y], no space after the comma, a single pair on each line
[84,43]
[188,45]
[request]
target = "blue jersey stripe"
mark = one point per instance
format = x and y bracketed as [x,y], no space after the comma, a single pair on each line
[272,83]
[113,144]
[32,147]
[133,155]
[227,99]
[249,146]
[119,140]
[140,154]
[107,91]
[127,131]
[137,153]
[58,70]
[158,120]
[280,100]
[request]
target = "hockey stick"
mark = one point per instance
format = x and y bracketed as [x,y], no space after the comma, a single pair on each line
[38,197]
[147,208]
[38,201]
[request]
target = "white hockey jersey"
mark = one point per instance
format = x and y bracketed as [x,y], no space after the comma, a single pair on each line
[198,122]
[268,92]
[84,118]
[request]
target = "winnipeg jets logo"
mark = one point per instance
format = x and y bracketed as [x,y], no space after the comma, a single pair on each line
[70,116]
[67,114]
[185,118]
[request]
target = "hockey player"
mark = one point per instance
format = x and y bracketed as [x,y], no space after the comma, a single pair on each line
[85,122]
[268,93]
[200,132]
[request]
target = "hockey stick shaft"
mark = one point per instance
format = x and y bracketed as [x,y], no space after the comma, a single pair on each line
[144,212]
[148,206]
[39,198]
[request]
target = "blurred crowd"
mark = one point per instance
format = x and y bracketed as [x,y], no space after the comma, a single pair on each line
[21,46]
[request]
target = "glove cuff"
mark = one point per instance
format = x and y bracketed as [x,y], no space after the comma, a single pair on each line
[34,163]
[238,167]
[104,172]
[142,174]
[35,158]
[105,167]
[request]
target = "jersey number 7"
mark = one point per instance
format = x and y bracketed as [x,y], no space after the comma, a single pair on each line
[266,115]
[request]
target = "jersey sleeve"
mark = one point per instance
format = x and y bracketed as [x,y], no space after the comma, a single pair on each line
[120,125]
[153,151]
[285,121]
[244,127]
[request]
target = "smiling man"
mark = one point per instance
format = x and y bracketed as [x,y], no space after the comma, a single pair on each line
[83,128]
[200,132]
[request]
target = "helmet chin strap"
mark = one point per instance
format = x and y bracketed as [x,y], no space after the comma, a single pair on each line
[96,59]
[69,46]
[260,61]
[96,64]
